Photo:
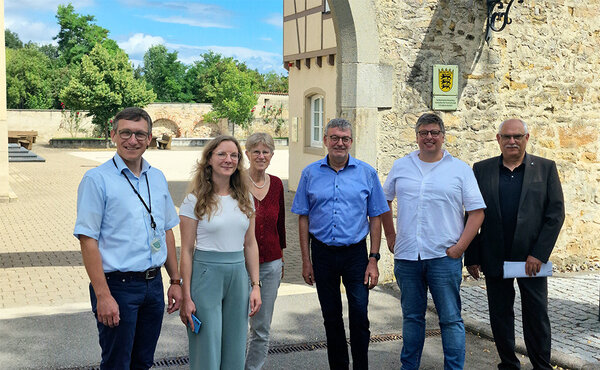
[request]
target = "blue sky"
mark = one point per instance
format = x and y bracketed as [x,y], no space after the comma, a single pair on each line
[248,30]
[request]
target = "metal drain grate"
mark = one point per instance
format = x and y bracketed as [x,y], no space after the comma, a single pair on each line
[282,349]
[172,361]
[312,346]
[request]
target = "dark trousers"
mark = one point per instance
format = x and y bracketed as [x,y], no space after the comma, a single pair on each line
[348,263]
[536,324]
[131,344]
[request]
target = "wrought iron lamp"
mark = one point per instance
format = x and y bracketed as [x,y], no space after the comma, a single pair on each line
[497,14]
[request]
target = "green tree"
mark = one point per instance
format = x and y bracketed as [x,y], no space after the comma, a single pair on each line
[165,74]
[61,76]
[273,82]
[204,75]
[103,85]
[255,77]
[28,79]
[77,35]
[12,40]
[234,96]
[50,50]
[60,73]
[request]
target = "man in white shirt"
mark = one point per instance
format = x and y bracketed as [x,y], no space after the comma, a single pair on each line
[433,189]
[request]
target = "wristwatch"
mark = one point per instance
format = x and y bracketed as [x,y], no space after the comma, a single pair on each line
[259,283]
[377,256]
[176,281]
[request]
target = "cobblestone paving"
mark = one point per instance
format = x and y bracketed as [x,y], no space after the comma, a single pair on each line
[573,311]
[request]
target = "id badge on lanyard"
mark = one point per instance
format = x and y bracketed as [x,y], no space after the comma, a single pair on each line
[155,243]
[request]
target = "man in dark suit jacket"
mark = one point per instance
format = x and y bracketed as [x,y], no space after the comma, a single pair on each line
[524,215]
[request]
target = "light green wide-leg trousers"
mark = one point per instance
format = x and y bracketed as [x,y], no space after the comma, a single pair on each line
[220,292]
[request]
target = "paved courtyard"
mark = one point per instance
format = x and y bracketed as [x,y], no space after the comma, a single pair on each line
[42,273]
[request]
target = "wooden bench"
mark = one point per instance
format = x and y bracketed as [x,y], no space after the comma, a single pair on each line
[164,142]
[152,143]
[23,138]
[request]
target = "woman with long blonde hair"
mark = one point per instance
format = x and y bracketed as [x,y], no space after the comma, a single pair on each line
[217,239]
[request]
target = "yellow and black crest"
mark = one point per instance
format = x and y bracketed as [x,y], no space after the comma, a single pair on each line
[446,79]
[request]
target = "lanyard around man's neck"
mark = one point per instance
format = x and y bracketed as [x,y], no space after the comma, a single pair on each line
[149,209]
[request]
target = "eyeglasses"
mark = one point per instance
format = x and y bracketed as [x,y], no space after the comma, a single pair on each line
[335,139]
[516,137]
[235,156]
[257,153]
[139,135]
[434,133]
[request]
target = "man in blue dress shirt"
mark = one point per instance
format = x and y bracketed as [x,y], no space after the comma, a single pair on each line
[125,217]
[339,201]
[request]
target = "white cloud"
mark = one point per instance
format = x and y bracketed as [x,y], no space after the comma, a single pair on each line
[188,21]
[28,5]
[136,62]
[263,61]
[275,19]
[179,6]
[228,51]
[33,20]
[38,32]
[265,38]
[137,45]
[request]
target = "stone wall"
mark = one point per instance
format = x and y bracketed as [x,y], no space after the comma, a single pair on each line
[176,119]
[45,121]
[543,68]
[266,101]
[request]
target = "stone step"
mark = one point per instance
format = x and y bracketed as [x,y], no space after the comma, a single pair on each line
[17,153]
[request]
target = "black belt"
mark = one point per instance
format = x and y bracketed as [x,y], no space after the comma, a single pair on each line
[149,274]
[319,243]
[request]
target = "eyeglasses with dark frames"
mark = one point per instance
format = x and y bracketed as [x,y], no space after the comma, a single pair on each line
[139,135]
[434,133]
[335,139]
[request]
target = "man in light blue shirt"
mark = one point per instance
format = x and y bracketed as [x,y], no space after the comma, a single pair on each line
[339,201]
[433,189]
[125,218]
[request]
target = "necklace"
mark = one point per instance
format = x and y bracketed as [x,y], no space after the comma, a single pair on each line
[264,181]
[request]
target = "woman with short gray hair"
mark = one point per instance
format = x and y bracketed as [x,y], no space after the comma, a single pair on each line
[267,191]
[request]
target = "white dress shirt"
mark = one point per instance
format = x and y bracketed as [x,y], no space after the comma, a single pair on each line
[431,204]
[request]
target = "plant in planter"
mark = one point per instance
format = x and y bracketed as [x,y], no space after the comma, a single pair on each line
[71,121]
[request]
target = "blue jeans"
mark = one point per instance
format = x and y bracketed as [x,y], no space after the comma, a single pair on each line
[348,263]
[442,276]
[131,344]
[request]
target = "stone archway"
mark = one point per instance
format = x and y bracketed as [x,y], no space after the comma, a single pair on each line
[364,83]
[165,126]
